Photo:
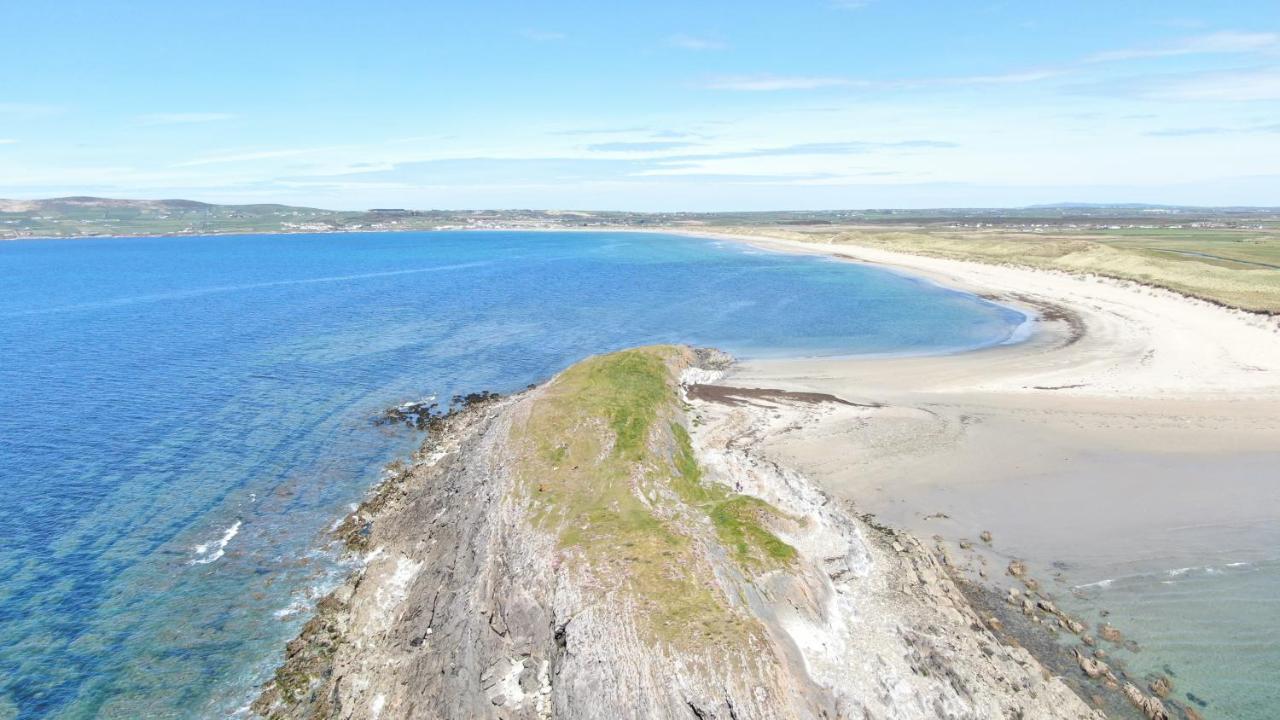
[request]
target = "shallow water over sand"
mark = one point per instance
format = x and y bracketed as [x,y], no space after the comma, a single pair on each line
[1179,550]
[184,418]
[1212,629]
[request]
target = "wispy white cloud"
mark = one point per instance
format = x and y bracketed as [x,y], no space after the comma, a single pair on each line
[1214,130]
[1222,43]
[1013,78]
[7,141]
[249,157]
[24,109]
[1238,86]
[571,132]
[1182,22]
[186,118]
[1230,85]
[693,42]
[639,146]
[543,35]
[774,83]
[828,149]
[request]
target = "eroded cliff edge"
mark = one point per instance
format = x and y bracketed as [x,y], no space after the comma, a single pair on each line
[607,545]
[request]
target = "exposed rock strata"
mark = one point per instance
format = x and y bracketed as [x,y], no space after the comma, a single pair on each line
[603,547]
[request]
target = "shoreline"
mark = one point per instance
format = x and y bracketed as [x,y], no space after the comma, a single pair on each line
[750,236]
[464,607]
[944,393]
[1132,436]
[757,237]
[1239,373]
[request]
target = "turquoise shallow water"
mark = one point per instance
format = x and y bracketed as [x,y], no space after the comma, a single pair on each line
[1213,629]
[183,419]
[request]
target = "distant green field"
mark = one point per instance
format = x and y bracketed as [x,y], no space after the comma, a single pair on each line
[1229,248]
[1234,267]
[88,216]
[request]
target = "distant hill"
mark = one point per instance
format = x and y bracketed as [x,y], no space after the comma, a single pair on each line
[88,216]
[1151,206]
[94,216]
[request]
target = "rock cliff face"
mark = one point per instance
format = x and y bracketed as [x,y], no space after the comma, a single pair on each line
[607,545]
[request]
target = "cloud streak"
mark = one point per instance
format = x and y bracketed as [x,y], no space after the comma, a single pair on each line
[23,109]
[481,171]
[640,146]
[774,83]
[856,147]
[543,35]
[249,157]
[1215,130]
[187,118]
[1222,43]
[695,43]
[1214,86]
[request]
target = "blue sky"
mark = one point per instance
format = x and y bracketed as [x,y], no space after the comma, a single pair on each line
[659,105]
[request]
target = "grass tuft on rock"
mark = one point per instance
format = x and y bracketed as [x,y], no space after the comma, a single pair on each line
[608,466]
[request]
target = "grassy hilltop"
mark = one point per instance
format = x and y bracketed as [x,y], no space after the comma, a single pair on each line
[608,467]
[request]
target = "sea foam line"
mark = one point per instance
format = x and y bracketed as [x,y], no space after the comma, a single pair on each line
[203,548]
[1167,574]
[158,297]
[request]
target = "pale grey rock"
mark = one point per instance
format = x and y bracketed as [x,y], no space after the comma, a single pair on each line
[464,609]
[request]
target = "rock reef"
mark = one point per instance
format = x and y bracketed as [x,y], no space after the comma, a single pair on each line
[610,545]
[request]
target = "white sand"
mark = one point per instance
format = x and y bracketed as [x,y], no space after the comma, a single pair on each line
[1151,440]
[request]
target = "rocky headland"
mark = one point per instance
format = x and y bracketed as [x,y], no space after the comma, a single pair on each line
[611,545]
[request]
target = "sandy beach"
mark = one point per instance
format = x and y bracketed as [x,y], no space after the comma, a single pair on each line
[1135,429]
[1122,430]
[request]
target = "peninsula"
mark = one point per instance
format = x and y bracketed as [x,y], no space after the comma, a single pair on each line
[666,529]
[611,545]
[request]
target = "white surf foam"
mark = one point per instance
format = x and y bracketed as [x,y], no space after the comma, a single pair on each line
[204,557]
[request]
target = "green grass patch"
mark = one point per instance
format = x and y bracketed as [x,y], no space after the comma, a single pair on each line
[608,467]
[738,522]
[1236,267]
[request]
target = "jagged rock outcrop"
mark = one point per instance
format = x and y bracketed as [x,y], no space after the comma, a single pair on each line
[1150,706]
[608,546]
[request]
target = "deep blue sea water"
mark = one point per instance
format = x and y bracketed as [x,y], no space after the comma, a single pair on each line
[183,419]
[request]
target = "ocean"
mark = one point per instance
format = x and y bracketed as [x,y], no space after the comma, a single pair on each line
[1212,628]
[184,419]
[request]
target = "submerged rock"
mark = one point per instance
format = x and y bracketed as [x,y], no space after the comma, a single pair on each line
[1091,667]
[1151,707]
[1161,686]
[1109,633]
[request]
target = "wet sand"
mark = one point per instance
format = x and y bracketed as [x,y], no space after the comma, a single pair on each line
[1135,434]
[1135,430]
